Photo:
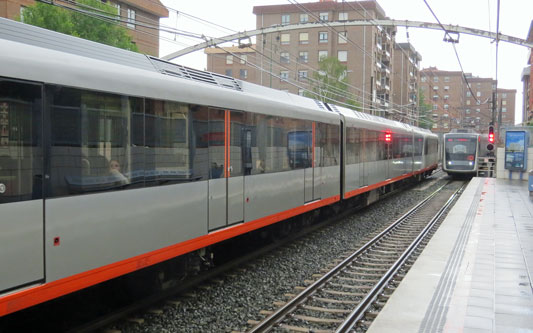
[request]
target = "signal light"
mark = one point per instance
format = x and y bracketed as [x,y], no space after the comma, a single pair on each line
[491,134]
[388,136]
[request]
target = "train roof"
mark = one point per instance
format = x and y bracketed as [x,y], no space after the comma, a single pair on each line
[369,121]
[37,54]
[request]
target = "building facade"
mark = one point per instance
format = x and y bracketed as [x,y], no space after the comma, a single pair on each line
[136,15]
[289,60]
[405,82]
[457,103]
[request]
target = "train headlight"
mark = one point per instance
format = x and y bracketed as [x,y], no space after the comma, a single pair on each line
[449,162]
[471,163]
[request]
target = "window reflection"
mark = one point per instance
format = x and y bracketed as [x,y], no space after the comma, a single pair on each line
[93,145]
[20,142]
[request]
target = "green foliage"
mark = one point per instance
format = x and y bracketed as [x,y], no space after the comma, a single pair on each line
[424,112]
[81,25]
[330,82]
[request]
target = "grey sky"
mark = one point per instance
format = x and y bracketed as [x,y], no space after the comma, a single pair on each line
[477,54]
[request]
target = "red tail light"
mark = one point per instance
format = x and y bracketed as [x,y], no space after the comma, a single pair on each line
[470,157]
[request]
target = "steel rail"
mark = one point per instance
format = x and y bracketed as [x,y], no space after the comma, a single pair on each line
[360,310]
[274,318]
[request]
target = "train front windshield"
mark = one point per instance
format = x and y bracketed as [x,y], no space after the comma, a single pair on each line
[460,152]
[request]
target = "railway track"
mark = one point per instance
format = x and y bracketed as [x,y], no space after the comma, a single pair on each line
[350,295]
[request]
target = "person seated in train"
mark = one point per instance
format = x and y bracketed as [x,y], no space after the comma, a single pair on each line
[114,171]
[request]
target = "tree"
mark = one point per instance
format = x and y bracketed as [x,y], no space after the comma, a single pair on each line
[102,30]
[330,83]
[424,109]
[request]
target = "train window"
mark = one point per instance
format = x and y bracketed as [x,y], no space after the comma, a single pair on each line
[171,142]
[20,142]
[96,141]
[300,144]
[353,145]
[239,137]
[329,140]
[216,139]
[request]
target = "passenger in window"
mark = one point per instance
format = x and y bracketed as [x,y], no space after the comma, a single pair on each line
[114,171]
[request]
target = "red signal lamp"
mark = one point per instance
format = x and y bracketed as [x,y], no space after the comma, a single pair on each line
[388,136]
[491,137]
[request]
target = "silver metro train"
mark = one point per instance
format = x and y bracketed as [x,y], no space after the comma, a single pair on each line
[460,153]
[112,161]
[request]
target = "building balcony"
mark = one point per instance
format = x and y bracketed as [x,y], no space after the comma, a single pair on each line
[386,53]
[385,69]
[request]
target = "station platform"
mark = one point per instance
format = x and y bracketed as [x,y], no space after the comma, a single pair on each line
[475,275]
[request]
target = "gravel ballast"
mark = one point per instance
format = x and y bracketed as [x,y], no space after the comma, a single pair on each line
[227,304]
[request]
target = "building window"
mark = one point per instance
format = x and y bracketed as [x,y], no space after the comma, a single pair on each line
[446,107]
[446,88]
[243,73]
[435,115]
[435,79]
[303,57]
[343,16]
[302,75]
[118,9]
[285,19]
[467,111]
[446,97]
[468,94]
[435,125]
[435,87]
[229,72]
[504,109]
[478,110]
[301,92]
[504,102]
[423,79]
[304,37]
[435,106]
[243,58]
[504,95]
[285,39]
[284,57]
[304,18]
[322,55]
[478,102]
[478,94]
[229,59]
[131,19]
[284,75]
[324,16]
[467,102]
[342,38]
[446,79]
[342,56]
[435,97]
[322,37]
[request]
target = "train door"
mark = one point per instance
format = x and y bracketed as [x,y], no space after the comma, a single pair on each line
[365,169]
[319,133]
[312,172]
[21,170]
[226,180]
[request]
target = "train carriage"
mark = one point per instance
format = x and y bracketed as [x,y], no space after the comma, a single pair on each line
[460,153]
[112,161]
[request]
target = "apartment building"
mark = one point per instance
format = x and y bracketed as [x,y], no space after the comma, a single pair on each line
[137,16]
[405,83]
[292,56]
[444,91]
[237,62]
[458,104]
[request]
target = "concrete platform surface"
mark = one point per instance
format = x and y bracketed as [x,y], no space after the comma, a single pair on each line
[475,275]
